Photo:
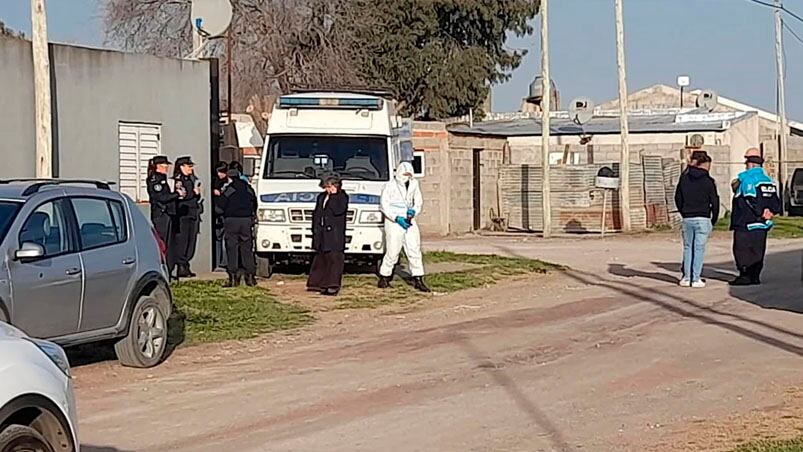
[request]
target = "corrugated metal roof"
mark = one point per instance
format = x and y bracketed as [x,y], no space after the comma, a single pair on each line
[602,125]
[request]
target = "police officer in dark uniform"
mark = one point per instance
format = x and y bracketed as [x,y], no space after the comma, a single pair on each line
[755,203]
[237,204]
[163,203]
[188,215]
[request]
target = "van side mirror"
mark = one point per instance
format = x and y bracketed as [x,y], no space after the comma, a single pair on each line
[29,251]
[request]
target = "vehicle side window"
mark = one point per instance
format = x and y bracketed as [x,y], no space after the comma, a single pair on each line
[118,216]
[47,226]
[96,223]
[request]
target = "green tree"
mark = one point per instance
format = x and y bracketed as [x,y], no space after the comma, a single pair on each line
[440,57]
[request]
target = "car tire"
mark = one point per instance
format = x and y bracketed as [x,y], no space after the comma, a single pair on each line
[145,344]
[19,438]
[264,266]
[794,211]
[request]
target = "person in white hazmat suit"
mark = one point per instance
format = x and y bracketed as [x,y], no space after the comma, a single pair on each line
[401,203]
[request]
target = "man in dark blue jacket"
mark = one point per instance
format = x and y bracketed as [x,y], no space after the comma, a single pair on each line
[755,203]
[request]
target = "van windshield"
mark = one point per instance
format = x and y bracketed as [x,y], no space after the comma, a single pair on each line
[8,211]
[310,157]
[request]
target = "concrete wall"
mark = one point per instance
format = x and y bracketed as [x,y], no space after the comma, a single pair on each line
[448,186]
[93,90]
[16,108]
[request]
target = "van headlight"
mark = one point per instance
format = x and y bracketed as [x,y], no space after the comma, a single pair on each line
[55,353]
[371,217]
[272,215]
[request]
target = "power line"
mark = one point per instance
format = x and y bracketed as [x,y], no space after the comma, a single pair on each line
[782,8]
[793,32]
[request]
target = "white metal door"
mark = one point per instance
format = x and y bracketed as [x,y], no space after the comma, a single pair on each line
[138,144]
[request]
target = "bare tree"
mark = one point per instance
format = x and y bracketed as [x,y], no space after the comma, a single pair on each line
[277,44]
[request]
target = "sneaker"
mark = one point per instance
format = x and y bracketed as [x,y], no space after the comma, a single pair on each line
[742,281]
[684,283]
[698,284]
[418,283]
[384,282]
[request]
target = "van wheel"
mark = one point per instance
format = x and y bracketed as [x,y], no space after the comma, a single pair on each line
[146,342]
[264,266]
[18,438]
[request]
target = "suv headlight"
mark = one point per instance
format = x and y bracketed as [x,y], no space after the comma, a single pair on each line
[272,215]
[55,353]
[371,217]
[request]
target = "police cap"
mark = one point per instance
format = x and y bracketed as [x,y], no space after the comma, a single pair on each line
[160,160]
[187,160]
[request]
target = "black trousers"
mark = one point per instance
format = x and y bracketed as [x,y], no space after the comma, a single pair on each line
[749,248]
[327,270]
[239,246]
[163,224]
[186,238]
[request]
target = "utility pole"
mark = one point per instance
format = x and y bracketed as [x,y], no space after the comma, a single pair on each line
[624,165]
[782,126]
[41,76]
[546,97]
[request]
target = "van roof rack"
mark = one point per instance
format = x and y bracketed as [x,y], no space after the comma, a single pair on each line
[37,184]
[384,93]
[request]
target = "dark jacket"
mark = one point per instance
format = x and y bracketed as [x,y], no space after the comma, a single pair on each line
[755,192]
[160,196]
[190,204]
[238,200]
[329,223]
[696,195]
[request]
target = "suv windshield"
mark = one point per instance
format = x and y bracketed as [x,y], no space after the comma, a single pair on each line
[310,157]
[8,211]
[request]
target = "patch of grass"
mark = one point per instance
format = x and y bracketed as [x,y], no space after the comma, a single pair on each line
[361,292]
[212,313]
[792,445]
[785,227]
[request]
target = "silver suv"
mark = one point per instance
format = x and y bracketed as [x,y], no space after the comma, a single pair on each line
[80,263]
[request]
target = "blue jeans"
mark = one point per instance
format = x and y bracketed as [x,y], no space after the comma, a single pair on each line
[695,236]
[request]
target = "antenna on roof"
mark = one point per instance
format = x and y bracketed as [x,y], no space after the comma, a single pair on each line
[210,19]
[581,111]
[708,99]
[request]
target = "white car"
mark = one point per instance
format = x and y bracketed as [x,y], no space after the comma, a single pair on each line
[37,405]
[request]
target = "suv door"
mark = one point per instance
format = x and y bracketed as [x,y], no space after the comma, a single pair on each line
[47,291]
[109,259]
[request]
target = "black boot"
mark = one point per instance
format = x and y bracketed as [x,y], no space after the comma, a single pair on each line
[250,280]
[418,283]
[743,279]
[232,282]
[183,271]
[384,282]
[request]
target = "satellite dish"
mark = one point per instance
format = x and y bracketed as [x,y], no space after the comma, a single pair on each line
[708,99]
[581,110]
[211,17]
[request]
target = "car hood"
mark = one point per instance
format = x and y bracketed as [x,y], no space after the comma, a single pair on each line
[9,332]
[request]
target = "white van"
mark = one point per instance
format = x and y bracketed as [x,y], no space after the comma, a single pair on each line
[359,137]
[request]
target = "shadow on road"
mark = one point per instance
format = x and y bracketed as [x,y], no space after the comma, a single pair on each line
[518,396]
[720,273]
[782,288]
[84,355]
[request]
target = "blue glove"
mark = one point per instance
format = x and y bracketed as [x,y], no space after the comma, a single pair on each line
[401,221]
[410,213]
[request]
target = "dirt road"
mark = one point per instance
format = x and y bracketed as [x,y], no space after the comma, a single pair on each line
[608,356]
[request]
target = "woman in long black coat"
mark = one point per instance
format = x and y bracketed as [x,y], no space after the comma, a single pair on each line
[329,238]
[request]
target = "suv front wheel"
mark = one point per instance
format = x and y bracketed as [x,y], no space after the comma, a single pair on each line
[146,343]
[19,438]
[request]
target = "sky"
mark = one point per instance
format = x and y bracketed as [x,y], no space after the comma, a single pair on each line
[724,45]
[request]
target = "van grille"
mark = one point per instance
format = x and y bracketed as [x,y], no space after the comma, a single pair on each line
[305,216]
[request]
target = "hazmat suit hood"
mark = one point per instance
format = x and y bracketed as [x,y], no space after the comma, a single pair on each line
[404,167]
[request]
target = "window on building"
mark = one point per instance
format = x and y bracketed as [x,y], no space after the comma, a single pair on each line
[138,143]
[100,222]
[419,163]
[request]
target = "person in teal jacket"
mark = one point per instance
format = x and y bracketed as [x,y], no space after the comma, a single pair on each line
[755,203]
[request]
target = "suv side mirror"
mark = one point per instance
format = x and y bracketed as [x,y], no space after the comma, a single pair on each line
[29,251]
